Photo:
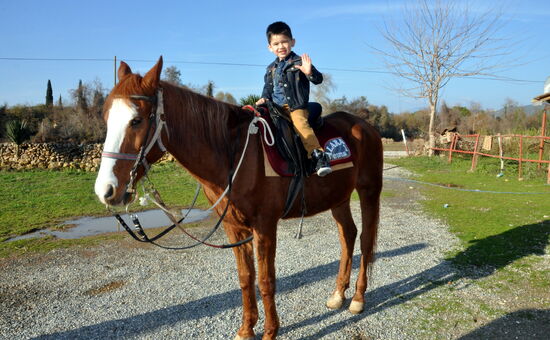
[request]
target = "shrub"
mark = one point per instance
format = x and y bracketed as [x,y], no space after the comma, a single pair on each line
[17,131]
[72,125]
[251,99]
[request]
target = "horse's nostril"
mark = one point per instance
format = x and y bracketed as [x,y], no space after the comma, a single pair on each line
[110,192]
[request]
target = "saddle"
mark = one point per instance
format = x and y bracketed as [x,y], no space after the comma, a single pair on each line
[283,157]
[288,157]
[287,142]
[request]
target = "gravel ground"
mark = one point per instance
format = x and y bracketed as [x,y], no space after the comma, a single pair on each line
[124,290]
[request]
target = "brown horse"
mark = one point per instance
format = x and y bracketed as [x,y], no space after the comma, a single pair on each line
[207,137]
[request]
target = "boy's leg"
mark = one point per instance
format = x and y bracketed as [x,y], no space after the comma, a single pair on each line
[310,141]
[301,125]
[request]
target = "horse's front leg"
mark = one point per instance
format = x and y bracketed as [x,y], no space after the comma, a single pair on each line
[244,256]
[265,243]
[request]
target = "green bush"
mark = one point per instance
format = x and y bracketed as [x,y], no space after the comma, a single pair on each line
[251,99]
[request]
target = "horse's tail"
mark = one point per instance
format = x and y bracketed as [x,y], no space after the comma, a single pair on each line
[369,161]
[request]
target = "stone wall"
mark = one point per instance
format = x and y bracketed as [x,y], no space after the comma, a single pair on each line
[85,157]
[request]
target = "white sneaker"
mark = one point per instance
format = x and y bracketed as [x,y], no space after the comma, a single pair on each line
[323,171]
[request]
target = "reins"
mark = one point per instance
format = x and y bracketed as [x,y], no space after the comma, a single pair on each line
[156,116]
[140,235]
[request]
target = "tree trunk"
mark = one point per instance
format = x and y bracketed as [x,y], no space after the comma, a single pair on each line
[431,132]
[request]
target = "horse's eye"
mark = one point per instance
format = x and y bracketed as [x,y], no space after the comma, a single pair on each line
[135,122]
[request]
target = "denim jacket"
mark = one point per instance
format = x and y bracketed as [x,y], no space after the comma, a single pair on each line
[295,82]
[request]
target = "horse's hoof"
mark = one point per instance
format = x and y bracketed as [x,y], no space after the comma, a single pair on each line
[356,307]
[335,301]
[238,337]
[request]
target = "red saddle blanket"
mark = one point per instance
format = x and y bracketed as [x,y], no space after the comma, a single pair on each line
[334,145]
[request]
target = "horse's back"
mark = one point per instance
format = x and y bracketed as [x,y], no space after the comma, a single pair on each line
[365,145]
[357,131]
[364,142]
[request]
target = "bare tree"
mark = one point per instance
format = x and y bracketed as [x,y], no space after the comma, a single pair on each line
[226,97]
[321,92]
[440,40]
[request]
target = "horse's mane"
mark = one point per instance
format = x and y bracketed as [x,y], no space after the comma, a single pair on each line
[192,118]
[202,118]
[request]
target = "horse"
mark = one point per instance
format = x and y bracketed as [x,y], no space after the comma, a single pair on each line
[206,137]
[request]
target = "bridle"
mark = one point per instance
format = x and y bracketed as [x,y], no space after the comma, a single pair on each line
[157,118]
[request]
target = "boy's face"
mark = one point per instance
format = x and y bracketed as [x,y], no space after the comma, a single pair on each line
[281,45]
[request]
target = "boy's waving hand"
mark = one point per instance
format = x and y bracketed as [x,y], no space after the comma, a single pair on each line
[306,65]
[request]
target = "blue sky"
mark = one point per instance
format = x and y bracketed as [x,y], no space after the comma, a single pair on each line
[337,35]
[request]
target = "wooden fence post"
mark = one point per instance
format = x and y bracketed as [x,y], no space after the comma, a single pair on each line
[475,156]
[520,174]
[115,72]
[455,137]
[500,153]
[542,134]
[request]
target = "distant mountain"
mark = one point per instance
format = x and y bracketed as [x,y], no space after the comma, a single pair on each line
[529,110]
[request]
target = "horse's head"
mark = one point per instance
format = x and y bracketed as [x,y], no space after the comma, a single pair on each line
[127,111]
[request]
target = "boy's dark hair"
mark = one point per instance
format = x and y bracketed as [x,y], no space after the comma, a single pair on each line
[278,27]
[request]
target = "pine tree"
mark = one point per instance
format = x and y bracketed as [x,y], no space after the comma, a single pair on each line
[60,102]
[81,103]
[98,101]
[49,95]
[210,89]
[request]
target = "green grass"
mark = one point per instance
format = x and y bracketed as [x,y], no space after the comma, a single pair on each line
[495,229]
[503,237]
[38,199]
[395,146]
[48,243]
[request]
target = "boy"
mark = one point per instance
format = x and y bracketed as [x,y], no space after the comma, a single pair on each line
[287,85]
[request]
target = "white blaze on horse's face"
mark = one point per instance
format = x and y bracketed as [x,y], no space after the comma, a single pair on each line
[120,115]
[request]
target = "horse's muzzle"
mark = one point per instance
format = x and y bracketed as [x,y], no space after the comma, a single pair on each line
[110,196]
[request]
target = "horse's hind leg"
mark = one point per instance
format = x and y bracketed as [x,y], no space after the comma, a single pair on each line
[370,211]
[244,255]
[347,232]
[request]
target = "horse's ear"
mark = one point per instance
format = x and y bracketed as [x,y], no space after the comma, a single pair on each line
[123,70]
[152,78]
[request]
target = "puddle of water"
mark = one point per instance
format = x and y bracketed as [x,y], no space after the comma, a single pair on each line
[451,185]
[88,226]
